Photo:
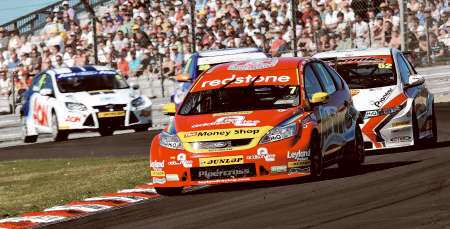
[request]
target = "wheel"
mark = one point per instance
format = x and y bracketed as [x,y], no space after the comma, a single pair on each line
[434,138]
[169,191]
[141,128]
[354,154]
[57,134]
[106,131]
[27,138]
[316,158]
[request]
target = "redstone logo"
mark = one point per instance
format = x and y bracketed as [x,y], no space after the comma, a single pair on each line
[246,80]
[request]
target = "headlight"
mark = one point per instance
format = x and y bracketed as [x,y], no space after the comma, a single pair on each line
[76,106]
[139,101]
[279,133]
[386,111]
[170,141]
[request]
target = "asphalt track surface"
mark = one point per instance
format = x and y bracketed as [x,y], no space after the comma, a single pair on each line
[408,188]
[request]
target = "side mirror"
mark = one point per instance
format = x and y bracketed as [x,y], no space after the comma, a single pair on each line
[169,109]
[183,78]
[415,80]
[319,98]
[46,92]
[135,86]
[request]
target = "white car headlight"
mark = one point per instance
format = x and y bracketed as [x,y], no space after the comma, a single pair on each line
[280,133]
[170,141]
[76,106]
[137,102]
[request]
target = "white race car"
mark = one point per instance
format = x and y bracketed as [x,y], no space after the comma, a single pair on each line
[65,100]
[397,107]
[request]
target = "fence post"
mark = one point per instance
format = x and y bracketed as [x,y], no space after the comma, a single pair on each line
[161,74]
[193,25]
[294,26]
[401,4]
[13,92]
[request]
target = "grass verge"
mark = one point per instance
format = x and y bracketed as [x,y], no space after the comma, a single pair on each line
[32,185]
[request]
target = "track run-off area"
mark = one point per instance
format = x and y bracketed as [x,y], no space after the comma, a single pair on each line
[403,188]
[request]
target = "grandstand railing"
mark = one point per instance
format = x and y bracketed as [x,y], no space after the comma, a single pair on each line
[34,21]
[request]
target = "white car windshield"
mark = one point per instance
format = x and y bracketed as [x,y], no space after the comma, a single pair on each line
[97,82]
[362,73]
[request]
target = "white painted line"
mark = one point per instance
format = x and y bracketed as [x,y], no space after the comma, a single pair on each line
[80,207]
[34,219]
[127,199]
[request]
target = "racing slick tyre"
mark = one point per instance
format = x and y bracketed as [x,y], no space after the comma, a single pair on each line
[106,131]
[415,129]
[354,154]
[316,166]
[169,191]
[27,138]
[433,139]
[57,134]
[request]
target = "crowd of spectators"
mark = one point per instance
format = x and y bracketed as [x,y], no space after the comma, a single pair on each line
[135,35]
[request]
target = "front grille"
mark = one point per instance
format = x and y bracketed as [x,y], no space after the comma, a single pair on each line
[223,172]
[113,122]
[110,107]
[222,144]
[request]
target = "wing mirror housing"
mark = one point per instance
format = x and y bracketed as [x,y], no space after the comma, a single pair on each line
[46,92]
[169,109]
[319,98]
[415,80]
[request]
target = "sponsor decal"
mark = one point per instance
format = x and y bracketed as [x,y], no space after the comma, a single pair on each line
[73,118]
[218,173]
[354,92]
[154,173]
[278,169]
[157,180]
[110,114]
[400,123]
[298,170]
[218,161]
[236,120]
[233,113]
[40,114]
[401,139]
[299,155]
[223,181]
[181,160]
[253,65]
[246,80]
[221,134]
[157,164]
[262,153]
[383,99]
[296,164]
[172,177]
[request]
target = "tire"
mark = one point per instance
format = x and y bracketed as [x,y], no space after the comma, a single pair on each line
[415,129]
[354,154]
[316,158]
[57,134]
[27,138]
[434,138]
[169,191]
[106,131]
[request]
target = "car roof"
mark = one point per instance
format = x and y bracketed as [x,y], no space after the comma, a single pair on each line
[227,55]
[355,53]
[78,71]
[227,51]
[281,66]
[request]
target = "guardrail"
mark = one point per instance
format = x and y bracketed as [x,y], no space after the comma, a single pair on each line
[438,83]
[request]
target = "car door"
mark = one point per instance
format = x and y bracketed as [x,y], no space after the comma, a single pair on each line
[39,104]
[335,109]
[419,92]
[323,112]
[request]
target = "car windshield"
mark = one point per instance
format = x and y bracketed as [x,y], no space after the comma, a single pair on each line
[367,74]
[91,83]
[234,99]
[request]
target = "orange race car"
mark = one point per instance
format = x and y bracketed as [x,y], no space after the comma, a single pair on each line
[258,120]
